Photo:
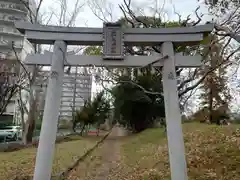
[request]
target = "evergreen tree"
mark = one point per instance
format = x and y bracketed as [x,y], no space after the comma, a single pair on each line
[216,95]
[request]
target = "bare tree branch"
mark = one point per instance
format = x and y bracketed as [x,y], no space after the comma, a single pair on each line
[199,17]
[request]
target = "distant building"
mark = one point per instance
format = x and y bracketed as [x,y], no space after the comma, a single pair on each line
[77,87]
[11,11]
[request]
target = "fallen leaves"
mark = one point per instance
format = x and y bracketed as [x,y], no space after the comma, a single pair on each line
[21,163]
[213,152]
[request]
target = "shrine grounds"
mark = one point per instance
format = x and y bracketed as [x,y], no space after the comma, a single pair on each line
[213,152]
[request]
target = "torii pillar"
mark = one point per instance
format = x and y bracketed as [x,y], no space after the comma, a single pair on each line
[173,116]
[45,152]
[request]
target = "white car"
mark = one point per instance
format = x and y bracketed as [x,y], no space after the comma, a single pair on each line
[11,133]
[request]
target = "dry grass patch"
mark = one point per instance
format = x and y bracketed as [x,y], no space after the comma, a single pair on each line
[21,163]
[213,153]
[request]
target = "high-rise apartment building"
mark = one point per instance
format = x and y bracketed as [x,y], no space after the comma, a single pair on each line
[77,87]
[13,45]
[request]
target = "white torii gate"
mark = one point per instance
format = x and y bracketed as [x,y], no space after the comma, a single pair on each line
[113,38]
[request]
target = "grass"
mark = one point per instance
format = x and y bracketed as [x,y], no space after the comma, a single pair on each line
[21,163]
[213,153]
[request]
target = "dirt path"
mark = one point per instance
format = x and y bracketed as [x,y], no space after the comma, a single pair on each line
[103,163]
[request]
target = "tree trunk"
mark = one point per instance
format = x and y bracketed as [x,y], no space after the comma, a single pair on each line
[29,127]
[98,130]
[23,110]
[211,106]
[74,128]
[29,132]
[30,124]
[81,132]
[74,124]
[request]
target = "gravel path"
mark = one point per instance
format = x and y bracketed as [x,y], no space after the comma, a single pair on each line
[103,163]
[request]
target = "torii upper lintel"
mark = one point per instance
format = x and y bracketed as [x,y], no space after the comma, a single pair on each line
[41,34]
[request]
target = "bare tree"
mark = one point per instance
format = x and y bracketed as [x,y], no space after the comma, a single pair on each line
[190,79]
[7,89]
[10,79]
[65,17]
[226,16]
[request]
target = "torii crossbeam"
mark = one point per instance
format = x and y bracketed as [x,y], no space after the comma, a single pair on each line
[129,61]
[113,38]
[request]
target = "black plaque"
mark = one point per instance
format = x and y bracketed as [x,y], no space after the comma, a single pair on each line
[112,42]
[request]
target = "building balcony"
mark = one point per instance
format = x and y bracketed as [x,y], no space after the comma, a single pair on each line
[9,31]
[17,1]
[16,11]
[10,19]
[9,56]
[4,47]
[8,42]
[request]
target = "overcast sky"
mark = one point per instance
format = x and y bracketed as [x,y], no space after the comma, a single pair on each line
[87,18]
